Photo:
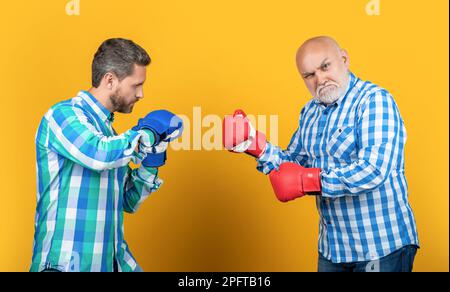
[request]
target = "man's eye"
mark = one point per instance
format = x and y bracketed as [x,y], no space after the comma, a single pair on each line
[326,66]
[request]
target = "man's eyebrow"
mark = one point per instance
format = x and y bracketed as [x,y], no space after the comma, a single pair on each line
[321,65]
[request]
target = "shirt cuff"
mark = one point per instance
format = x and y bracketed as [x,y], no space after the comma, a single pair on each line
[266,155]
[145,145]
[331,185]
[150,175]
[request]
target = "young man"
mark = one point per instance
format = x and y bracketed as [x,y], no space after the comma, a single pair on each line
[84,181]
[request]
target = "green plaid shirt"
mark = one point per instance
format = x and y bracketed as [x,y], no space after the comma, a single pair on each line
[84,184]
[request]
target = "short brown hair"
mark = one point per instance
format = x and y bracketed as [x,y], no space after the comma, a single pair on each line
[117,56]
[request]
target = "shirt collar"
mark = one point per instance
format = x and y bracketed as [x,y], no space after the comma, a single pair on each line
[104,114]
[351,83]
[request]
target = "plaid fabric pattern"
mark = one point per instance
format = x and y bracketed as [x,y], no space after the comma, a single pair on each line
[358,142]
[84,185]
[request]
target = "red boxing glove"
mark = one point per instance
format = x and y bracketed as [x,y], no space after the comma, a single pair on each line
[240,136]
[293,181]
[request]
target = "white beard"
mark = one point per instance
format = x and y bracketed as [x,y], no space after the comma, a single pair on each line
[330,94]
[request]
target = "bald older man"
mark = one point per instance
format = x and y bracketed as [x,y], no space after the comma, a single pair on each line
[348,151]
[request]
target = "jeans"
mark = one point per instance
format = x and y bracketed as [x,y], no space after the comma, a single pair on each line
[399,261]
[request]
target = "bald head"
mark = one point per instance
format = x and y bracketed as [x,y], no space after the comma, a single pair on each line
[317,44]
[324,67]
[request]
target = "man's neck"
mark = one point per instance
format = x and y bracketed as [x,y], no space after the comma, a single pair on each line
[102,97]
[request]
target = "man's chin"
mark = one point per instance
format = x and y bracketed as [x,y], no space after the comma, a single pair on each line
[127,110]
[328,99]
[328,89]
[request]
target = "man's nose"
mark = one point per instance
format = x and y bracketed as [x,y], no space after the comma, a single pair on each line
[321,78]
[140,94]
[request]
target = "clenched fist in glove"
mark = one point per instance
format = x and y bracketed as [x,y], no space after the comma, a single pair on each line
[240,136]
[164,127]
[293,181]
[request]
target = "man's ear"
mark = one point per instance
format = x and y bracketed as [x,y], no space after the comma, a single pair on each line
[346,58]
[110,81]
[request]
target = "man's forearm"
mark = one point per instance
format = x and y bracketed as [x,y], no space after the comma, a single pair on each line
[141,183]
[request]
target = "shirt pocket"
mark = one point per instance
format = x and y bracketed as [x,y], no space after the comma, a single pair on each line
[341,144]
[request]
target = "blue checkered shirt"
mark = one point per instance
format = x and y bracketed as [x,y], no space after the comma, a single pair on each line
[358,143]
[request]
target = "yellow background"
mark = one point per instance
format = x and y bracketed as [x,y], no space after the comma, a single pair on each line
[215,212]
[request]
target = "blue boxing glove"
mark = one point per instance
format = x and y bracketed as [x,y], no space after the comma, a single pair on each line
[165,127]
